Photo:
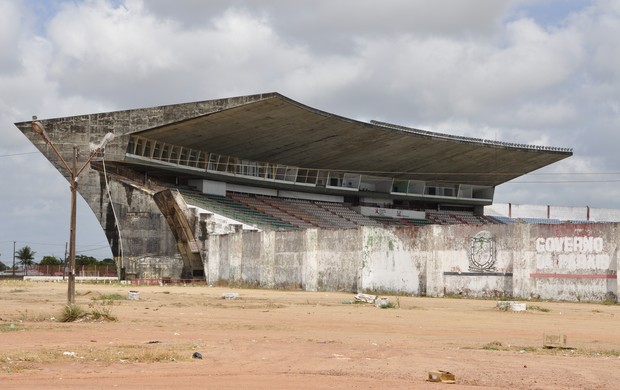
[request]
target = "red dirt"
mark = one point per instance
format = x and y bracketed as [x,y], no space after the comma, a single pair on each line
[297,340]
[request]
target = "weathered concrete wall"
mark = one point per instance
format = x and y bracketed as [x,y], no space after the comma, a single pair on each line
[574,262]
[157,267]
[563,262]
[143,231]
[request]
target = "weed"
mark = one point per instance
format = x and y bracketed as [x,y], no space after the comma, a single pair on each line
[25,316]
[102,312]
[10,327]
[71,313]
[493,346]
[108,297]
[538,308]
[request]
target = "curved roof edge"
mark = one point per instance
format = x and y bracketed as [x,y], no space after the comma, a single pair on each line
[470,139]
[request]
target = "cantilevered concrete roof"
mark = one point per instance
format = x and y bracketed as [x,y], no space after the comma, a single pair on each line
[273,128]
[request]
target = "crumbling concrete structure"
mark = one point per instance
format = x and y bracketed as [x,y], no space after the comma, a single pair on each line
[269,144]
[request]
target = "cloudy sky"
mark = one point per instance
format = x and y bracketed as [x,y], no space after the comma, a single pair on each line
[541,72]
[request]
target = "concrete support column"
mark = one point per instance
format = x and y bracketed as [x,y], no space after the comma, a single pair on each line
[310,267]
[268,260]
[524,261]
[212,259]
[434,267]
[235,256]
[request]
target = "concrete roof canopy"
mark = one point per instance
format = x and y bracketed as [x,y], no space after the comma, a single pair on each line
[273,128]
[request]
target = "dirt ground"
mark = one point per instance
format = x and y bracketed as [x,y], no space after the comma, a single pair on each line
[295,340]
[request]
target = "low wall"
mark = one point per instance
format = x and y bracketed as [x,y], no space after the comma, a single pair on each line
[561,262]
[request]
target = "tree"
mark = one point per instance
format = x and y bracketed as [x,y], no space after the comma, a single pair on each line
[83,260]
[3,266]
[25,256]
[50,260]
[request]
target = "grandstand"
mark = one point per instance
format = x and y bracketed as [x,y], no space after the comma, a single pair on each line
[267,163]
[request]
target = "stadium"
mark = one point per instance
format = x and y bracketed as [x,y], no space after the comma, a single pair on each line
[264,191]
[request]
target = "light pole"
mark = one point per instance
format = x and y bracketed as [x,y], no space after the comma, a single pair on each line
[74,172]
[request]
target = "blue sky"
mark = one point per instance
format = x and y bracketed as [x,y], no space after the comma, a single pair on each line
[523,71]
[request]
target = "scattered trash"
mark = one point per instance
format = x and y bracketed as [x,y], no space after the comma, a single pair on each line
[441,376]
[367,298]
[230,295]
[382,303]
[133,295]
[511,305]
[555,340]
[72,354]
[197,355]
[153,342]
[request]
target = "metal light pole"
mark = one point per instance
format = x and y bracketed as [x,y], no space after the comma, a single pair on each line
[74,172]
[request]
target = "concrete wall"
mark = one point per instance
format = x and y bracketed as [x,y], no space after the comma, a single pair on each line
[560,262]
[143,230]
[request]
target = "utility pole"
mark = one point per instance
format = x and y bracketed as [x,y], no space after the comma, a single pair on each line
[13,258]
[64,263]
[74,172]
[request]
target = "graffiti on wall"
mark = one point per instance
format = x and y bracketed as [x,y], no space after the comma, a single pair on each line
[579,244]
[482,253]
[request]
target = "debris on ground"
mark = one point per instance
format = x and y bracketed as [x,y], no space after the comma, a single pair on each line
[133,295]
[230,295]
[511,306]
[382,303]
[554,340]
[196,355]
[365,298]
[441,376]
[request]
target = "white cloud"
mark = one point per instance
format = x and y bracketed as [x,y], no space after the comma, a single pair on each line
[514,71]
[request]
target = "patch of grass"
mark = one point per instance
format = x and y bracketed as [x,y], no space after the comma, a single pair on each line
[25,316]
[538,308]
[493,346]
[147,353]
[10,327]
[108,297]
[71,313]
[102,313]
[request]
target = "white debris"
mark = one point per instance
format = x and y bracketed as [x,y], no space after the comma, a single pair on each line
[230,295]
[365,298]
[382,303]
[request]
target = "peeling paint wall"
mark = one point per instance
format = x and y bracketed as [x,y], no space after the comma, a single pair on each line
[562,262]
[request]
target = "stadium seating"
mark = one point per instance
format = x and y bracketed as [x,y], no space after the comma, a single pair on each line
[270,212]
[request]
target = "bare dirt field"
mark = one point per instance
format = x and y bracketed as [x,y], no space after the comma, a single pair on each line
[295,340]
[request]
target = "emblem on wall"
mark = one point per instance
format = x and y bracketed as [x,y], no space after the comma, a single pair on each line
[482,252]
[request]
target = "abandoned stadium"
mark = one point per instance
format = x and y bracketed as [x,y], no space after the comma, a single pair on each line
[262,190]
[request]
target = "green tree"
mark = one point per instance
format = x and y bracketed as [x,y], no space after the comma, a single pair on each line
[83,260]
[50,260]
[25,256]
[3,266]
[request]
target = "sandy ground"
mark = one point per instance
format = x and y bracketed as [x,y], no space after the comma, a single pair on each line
[296,340]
